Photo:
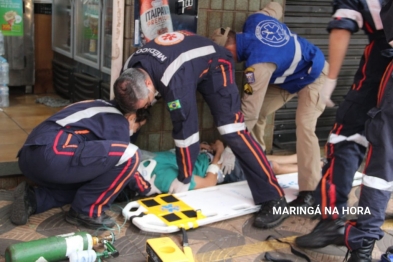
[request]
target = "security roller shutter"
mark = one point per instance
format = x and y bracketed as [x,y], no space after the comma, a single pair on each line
[309,19]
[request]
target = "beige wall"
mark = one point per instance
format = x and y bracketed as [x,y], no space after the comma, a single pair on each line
[156,135]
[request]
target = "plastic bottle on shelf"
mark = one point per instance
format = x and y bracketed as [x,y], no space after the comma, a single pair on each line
[2,52]
[4,71]
[4,96]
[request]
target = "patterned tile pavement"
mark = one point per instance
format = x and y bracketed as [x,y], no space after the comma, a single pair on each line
[234,240]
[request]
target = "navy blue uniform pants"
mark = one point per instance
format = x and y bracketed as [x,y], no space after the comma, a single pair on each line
[347,145]
[378,180]
[222,95]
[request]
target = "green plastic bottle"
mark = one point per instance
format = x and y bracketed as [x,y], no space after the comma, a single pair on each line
[50,249]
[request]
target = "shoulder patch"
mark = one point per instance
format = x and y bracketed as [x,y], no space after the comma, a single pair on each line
[169,38]
[174,105]
[249,73]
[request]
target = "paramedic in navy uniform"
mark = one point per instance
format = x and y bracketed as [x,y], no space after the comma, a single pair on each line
[347,144]
[279,66]
[377,187]
[177,65]
[80,156]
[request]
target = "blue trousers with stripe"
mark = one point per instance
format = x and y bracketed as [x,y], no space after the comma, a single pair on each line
[378,180]
[77,172]
[346,154]
[222,95]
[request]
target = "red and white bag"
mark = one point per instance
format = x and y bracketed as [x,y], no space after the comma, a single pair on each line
[155,18]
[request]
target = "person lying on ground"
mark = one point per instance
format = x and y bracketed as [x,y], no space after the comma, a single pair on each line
[160,168]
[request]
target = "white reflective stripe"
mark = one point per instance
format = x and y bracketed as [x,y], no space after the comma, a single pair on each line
[188,141]
[296,59]
[357,138]
[231,128]
[391,43]
[377,183]
[184,57]
[128,153]
[87,113]
[350,14]
[375,7]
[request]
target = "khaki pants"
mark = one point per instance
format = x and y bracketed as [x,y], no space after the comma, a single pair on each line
[310,107]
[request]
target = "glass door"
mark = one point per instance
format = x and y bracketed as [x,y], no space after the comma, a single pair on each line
[106,43]
[62,26]
[87,32]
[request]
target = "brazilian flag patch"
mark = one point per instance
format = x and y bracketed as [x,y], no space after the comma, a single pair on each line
[174,105]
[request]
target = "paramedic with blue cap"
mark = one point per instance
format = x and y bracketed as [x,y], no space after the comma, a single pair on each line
[279,66]
[177,65]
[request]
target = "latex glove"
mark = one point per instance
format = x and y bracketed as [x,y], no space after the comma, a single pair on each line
[178,187]
[327,90]
[227,161]
[153,188]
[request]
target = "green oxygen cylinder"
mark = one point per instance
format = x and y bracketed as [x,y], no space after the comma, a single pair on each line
[50,249]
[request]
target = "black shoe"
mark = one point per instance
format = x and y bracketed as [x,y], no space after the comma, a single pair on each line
[74,218]
[267,217]
[24,204]
[363,254]
[304,199]
[326,232]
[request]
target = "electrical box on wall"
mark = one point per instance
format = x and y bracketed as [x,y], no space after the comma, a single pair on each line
[184,14]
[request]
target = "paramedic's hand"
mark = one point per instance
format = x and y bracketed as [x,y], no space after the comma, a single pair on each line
[178,187]
[153,188]
[327,90]
[227,161]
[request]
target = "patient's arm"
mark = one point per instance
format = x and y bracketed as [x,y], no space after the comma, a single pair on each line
[211,178]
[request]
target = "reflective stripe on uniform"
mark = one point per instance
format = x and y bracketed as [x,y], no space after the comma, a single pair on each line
[184,57]
[377,183]
[296,59]
[231,128]
[357,138]
[375,7]
[188,141]
[128,153]
[350,14]
[87,113]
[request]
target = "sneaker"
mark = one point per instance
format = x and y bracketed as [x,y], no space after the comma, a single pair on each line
[304,199]
[326,232]
[266,218]
[24,204]
[363,254]
[75,218]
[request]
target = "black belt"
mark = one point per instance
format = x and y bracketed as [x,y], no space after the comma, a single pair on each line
[377,35]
